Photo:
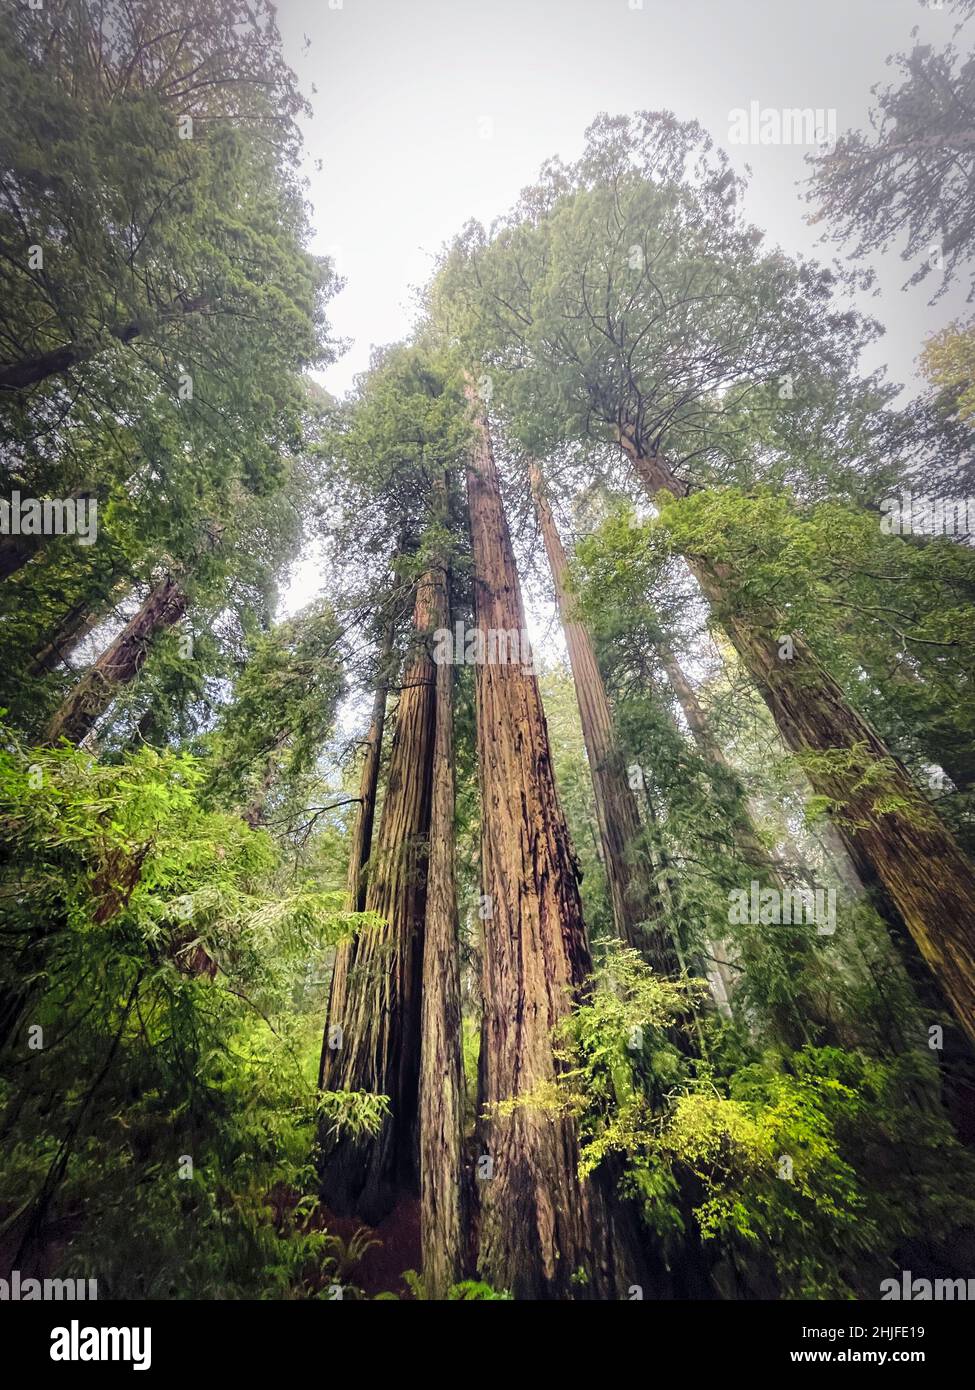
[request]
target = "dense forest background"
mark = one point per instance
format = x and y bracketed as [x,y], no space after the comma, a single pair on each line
[366,952]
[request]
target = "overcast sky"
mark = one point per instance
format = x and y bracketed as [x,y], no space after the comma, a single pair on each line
[428,112]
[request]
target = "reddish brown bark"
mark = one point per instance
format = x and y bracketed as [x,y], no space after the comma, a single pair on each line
[898,846]
[544,1232]
[369,781]
[375,994]
[361,835]
[119,663]
[442,1069]
[81,619]
[636,908]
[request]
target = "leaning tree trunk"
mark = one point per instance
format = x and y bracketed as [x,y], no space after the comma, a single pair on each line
[372,1041]
[119,663]
[544,1232]
[791,1016]
[746,835]
[442,1067]
[74,626]
[30,371]
[636,908]
[899,847]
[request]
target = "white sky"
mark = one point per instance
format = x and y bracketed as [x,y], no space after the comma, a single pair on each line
[428,112]
[406,89]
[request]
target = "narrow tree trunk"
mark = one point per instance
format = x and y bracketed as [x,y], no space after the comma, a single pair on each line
[746,834]
[119,663]
[80,619]
[747,839]
[375,1006]
[544,1232]
[255,811]
[361,835]
[898,846]
[369,781]
[442,1074]
[636,908]
[833,846]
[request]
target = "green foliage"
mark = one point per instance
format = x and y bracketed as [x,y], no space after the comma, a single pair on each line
[469,1290]
[810,1163]
[353,1112]
[149,942]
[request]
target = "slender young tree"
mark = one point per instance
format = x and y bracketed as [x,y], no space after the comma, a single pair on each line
[636,908]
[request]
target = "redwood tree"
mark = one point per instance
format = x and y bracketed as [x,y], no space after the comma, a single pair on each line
[899,847]
[544,1232]
[361,847]
[636,908]
[373,1023]
[442,1069]
[119,663]
[626,297]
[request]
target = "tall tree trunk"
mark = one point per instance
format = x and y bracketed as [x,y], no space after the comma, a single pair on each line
[442,1073]
[361,835]
[833,846]
[255,811]
[369,780]
[722,953]
[375,1003]
[75,625]
[544,1232]
[636,908]
[746,834]
[119,663]
[906,857]
[790,1017]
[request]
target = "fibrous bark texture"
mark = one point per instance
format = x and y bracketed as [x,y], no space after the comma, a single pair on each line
[372,1037]
[543,1232]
